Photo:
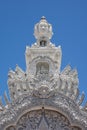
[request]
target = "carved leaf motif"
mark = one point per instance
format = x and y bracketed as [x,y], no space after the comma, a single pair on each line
[43,120]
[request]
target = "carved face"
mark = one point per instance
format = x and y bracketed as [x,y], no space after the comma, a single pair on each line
[43,27]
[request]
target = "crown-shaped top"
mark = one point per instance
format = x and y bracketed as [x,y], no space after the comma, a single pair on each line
[43,30]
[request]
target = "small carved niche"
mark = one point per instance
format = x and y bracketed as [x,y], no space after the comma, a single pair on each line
[43,43]
[42,68]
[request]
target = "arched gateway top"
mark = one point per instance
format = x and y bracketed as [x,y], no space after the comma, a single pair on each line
[43,97]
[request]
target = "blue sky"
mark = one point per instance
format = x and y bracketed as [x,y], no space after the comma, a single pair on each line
[69,21]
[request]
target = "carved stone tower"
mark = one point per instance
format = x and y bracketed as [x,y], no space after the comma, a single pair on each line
[43,97]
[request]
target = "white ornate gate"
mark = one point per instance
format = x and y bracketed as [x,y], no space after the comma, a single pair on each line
[43,97]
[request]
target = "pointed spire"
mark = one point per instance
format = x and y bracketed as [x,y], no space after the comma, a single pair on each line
[76,95]
[66,70]
[80,100]
[6,98]
[43,17]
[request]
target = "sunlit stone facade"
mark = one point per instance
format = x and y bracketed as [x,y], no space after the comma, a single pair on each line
[43,97]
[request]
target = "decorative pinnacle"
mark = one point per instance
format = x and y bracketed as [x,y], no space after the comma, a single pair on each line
[43,29]
[43,17]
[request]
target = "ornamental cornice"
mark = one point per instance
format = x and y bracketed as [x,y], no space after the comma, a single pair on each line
[61,104]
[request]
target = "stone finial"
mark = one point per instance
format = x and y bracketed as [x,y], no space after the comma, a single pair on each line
[43,30]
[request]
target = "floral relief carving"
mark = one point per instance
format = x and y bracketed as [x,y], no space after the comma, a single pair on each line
[52,120]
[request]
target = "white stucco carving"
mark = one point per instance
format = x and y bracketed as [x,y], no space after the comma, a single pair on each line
[43,97]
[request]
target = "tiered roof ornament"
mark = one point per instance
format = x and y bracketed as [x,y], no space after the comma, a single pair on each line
[43,30]
[43,92]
